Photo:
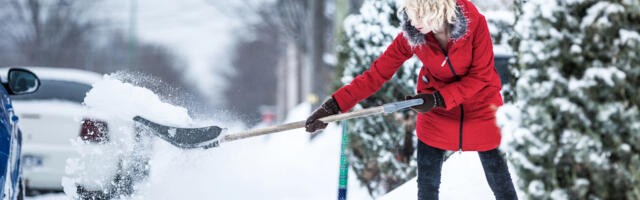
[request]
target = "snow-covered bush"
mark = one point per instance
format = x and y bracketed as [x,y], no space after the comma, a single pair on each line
[575,116]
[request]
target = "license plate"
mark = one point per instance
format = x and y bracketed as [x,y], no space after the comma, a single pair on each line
[31,161]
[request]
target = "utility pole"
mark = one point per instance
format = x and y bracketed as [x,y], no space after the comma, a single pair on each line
[133,45]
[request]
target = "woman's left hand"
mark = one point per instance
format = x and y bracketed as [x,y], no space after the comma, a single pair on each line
[431,100]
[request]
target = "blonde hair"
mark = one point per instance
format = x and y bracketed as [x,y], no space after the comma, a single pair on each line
[431,12]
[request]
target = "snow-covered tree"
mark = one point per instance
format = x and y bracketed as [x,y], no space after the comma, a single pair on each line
[381,147]
[575,119]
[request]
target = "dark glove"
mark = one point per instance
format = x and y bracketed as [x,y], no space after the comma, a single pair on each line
[329,107]
[430,101]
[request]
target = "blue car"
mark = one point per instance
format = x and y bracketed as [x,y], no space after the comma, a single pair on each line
[18,81]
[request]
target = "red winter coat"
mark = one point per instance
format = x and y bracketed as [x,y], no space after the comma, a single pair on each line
[463,73]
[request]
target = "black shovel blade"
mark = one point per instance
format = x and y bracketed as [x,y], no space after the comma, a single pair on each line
[186,138]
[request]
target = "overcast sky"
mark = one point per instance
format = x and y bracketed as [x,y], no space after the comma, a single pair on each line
[199,31]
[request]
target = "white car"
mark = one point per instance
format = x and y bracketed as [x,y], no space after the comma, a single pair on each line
[64,138]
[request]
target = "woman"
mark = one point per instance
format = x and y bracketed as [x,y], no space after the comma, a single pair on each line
[458,83]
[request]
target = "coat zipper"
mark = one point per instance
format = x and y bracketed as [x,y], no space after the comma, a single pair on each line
[461,107]
[448,60]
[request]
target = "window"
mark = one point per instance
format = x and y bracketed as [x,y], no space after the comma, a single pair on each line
[57,90]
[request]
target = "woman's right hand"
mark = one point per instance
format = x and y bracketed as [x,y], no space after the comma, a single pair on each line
[329,107]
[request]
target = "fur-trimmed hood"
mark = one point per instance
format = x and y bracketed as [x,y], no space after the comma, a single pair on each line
[415,38]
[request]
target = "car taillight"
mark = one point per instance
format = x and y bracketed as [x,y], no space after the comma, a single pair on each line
[94,131]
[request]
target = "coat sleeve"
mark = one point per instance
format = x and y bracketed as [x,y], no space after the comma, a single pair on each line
[381,71]
[481,71]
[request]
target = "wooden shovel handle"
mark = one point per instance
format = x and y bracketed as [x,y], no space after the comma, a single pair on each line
[300,124]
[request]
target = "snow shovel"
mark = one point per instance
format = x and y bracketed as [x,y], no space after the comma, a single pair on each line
[208,137]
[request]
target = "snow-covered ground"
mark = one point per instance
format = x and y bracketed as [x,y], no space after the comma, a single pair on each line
[462,178]
[286,165]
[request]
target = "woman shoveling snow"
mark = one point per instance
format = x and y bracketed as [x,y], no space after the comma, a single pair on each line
[458,84]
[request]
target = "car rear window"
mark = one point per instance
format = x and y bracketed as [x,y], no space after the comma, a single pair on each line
[57,90]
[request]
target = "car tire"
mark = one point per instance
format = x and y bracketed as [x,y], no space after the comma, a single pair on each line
[123,184]
[125,180]
[84,194]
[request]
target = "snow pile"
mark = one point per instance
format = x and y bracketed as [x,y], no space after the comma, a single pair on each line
[116,103]
[462,178]
[286,165]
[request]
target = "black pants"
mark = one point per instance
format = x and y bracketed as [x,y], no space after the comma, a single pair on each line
[430,161]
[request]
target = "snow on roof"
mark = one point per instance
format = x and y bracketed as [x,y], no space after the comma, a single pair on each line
[56,73]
